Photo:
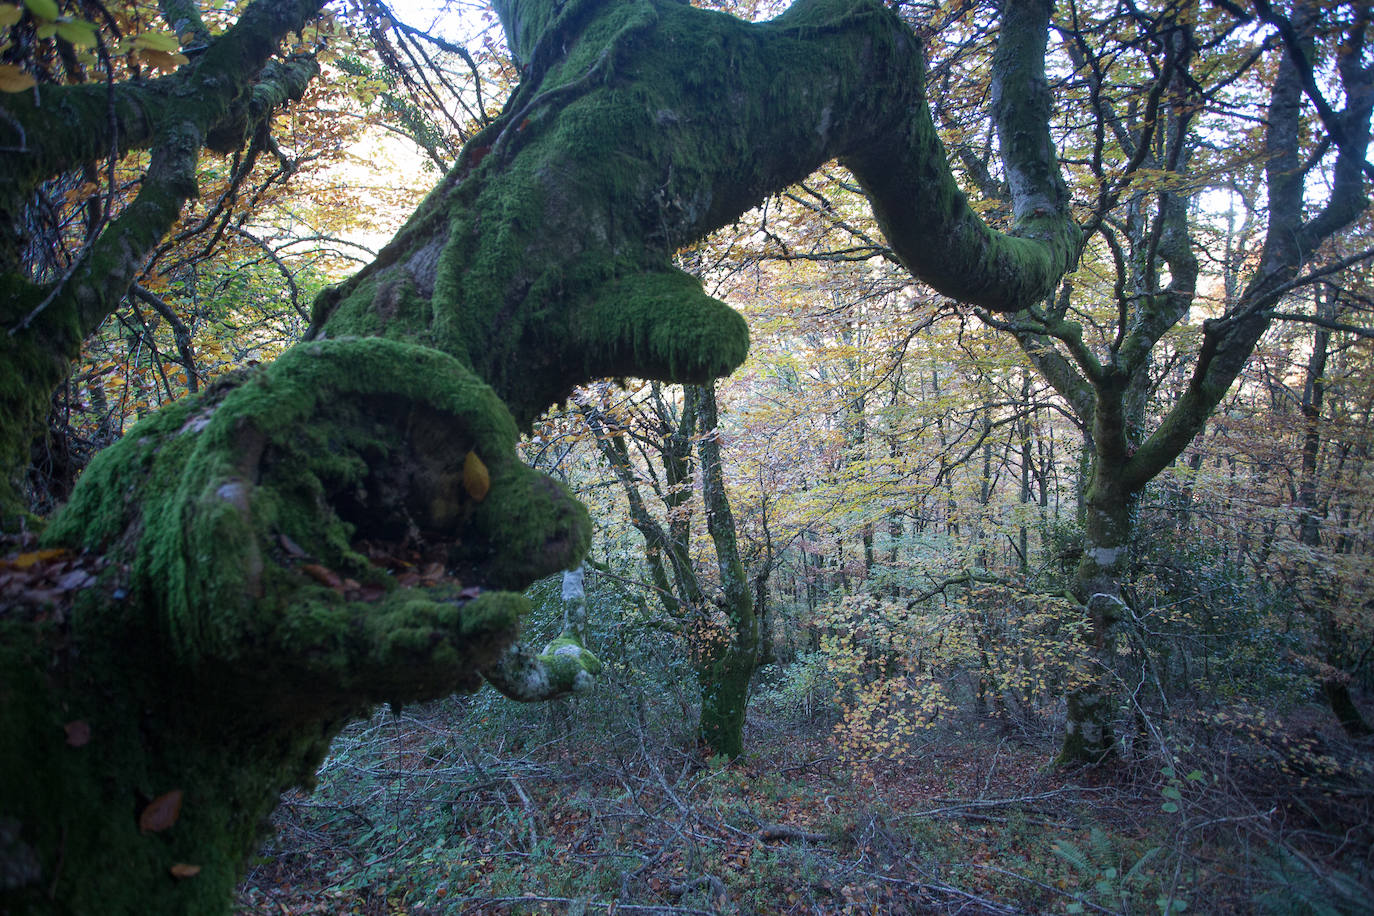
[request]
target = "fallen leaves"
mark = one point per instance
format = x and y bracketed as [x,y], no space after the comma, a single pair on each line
[78,733]
[34,557]
[322,574]
[161,813]
[42,578]
[414,566]
[184,870]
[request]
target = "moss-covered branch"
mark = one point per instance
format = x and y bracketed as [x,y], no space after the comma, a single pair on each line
[217,100]
[544,259]
[285,550]
[64,126]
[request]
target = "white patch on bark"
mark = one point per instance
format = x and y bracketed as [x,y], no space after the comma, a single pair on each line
[572,584]
[1105,557]
[827,118]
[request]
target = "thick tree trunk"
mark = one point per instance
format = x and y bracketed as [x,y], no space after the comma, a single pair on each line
[1089,736]
[1107,515]
[251,599]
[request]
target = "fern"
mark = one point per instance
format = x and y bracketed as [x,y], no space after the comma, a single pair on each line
[1071,853]
[1134,871]
[1300,890]
[1103,850]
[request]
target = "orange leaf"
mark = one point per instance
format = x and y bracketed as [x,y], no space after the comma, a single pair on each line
[476,479]
[183,870]
[78,733]
[161,813]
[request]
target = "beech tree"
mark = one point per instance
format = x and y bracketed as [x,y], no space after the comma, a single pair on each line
[241,542]
[1110,351]
[720,617]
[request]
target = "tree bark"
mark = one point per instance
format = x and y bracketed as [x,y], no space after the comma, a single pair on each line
[729,663]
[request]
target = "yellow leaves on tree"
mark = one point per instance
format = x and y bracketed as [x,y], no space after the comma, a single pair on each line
[884,657]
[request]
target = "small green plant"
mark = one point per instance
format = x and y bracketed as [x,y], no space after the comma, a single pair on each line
[1173,789]
[1114,885]
[1298,887]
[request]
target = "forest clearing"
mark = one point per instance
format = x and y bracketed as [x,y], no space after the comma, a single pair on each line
[631,456]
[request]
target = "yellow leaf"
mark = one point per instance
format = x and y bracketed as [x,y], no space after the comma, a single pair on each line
[476,479]
[78,32]
[9,15]
[164,61]
[42,9]
[157,41]
[25,560]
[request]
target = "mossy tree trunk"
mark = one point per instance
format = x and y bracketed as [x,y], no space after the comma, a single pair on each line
[726,665]
[248,598]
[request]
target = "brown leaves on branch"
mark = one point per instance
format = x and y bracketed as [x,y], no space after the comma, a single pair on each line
[412,567]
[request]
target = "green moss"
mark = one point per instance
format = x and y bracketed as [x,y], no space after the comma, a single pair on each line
[571,667]
[554,265]
[212,659]
[335,435]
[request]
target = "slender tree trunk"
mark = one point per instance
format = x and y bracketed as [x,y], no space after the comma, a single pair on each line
[1335,686]
[730,665]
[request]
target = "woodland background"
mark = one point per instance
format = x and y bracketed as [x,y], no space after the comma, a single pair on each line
[905,494]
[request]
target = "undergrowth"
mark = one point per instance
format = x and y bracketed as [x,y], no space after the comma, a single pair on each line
[604,804]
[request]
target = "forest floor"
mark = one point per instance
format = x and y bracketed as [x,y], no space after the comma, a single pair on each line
[463,807]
